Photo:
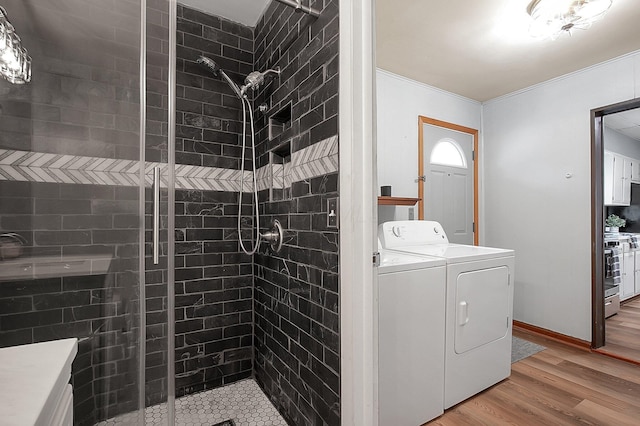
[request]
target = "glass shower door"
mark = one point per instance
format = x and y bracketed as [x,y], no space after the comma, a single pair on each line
[159,212]
[79,143]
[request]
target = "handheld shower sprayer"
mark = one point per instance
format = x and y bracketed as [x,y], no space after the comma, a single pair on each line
[209,64]
[212,67]
[252,81]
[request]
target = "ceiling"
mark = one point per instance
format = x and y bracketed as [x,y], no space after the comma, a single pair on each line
[246,12]
[626,122]
[482,49]
[479,49]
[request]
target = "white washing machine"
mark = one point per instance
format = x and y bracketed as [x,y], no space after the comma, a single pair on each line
[479,305]
[410,322]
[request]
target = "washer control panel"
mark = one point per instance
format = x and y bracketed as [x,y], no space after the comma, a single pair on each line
[405,233]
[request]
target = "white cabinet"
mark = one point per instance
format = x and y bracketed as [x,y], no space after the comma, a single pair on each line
[625,186]
[621,180]
[627,267]
[635,171]
[608,178]
[617,179]
[35,383]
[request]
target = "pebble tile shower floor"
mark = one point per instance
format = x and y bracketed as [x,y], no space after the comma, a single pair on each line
[243,402]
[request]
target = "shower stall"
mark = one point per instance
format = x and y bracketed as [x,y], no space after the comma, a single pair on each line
[141,213]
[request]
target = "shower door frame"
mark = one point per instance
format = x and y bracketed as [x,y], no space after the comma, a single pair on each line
[142,346]
[170,224]
[171,214]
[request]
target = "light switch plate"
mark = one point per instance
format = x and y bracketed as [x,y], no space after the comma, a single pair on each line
[333,212]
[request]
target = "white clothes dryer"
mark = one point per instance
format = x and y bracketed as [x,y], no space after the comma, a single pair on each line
[479,305]
[410,324]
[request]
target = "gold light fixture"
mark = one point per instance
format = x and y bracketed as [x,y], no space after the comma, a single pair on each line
[15,62]
[551,18]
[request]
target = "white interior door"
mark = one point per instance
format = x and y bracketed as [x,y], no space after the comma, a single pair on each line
[448,189]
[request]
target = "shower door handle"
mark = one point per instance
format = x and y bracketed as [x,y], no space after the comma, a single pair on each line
[156,215]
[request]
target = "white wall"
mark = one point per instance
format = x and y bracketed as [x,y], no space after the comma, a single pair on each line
[399,103]
[619,143]
[532,139]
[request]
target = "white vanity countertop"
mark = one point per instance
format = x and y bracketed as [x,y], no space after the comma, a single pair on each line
[32,379]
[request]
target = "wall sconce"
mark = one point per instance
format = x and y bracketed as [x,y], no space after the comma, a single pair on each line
[15,62]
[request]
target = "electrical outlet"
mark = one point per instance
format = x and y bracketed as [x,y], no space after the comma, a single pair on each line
[333,212]
[412,214]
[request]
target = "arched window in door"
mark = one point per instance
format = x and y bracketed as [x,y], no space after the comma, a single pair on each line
[447,152]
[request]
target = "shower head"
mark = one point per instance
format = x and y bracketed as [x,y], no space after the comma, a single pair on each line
[256,78]
[210,65]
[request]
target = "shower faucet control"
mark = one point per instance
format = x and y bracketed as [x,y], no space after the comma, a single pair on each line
[274,236]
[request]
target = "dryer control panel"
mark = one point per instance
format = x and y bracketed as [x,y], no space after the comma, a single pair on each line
[406,233]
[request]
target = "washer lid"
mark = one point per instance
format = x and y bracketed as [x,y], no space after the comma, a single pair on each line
[456,253]
[394,261]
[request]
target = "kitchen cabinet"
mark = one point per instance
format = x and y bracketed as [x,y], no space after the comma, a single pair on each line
[635,171]
[617,179]
[624,165]
[607,167]
[628,267]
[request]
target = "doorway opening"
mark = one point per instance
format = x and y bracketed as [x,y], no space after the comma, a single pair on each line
[599,196]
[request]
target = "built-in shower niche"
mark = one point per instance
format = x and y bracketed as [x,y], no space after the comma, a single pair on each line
[280,166]
[279,122]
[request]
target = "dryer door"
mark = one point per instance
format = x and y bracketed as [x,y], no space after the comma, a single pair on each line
[482,307]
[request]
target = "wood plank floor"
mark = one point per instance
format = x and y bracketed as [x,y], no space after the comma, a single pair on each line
[622,331]
[561,385]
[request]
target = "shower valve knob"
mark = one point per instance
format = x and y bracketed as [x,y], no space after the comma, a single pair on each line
[274,236]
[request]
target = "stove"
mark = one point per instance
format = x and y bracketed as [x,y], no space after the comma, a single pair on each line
[611,278]
[611,290]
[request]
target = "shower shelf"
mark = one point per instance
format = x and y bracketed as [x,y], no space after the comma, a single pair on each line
[28,268]
[397,201]
[279,121]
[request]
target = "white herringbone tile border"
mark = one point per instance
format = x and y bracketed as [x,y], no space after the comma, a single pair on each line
[24,166]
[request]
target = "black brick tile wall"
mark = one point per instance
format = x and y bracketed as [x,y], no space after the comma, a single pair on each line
[306,50]
[209,114]
[214,293]
[297,335]
[214,279]
[295,295]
